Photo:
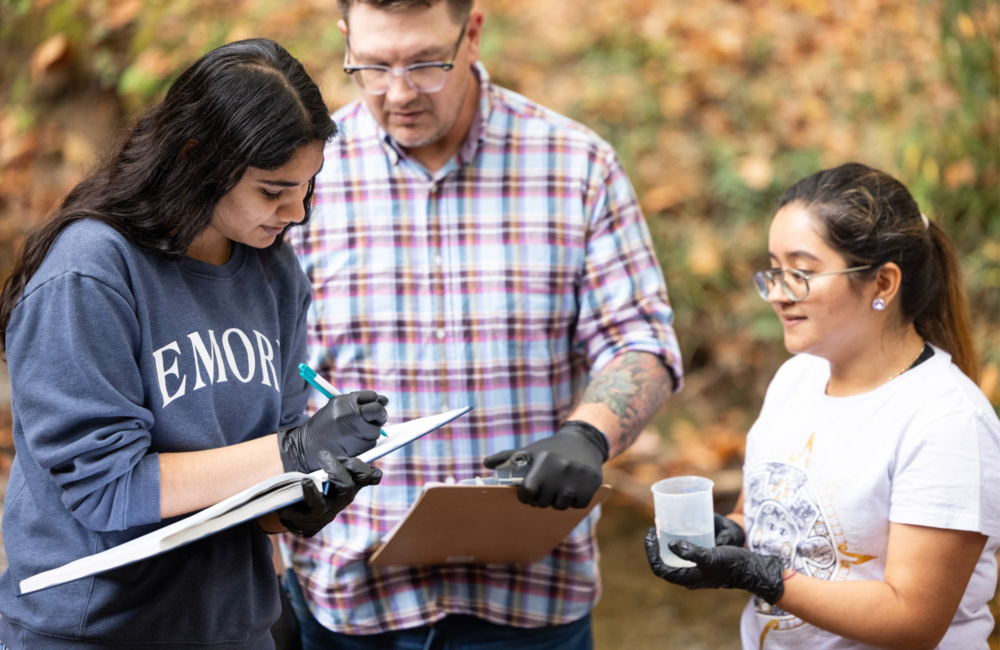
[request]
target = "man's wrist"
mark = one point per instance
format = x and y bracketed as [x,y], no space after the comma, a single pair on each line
[593,434]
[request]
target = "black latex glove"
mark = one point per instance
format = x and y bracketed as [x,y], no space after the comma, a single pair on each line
[346,426]
[345,476]
[565,468]
[728,532]
[728,567]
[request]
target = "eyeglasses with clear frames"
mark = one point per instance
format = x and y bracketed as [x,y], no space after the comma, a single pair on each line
[794,283]
[428,77]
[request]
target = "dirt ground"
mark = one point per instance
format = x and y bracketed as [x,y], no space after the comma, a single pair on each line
[638,611]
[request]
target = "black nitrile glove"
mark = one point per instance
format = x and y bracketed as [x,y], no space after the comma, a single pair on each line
[345,477]
[728,532]
[728,567]
[565,469]
[346,426]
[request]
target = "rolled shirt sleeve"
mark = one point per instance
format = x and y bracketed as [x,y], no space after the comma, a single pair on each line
[623,295]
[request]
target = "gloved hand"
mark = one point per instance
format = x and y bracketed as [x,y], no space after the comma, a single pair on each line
[345,476]
[346,426]
[728,567]
[565,468]
[728,532]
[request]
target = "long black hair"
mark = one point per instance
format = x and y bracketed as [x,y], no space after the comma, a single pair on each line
[245,104]
[869,217]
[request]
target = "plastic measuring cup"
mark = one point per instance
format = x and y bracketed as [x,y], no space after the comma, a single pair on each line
[684,511]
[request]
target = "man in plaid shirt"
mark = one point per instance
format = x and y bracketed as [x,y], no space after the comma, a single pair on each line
[470,247]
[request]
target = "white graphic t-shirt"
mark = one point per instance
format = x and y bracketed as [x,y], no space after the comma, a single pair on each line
[824,476]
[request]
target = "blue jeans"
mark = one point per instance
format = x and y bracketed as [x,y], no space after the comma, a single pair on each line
[454,632]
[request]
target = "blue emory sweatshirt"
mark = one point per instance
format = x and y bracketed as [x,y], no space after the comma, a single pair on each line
[116,354]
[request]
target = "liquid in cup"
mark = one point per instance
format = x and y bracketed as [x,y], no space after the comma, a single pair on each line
[684,511]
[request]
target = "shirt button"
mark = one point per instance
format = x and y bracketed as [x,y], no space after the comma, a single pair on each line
[438,261]
[440,333]
[444,406]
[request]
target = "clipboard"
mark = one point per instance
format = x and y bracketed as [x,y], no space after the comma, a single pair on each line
[477,524]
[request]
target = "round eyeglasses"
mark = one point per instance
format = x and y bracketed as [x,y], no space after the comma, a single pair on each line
[428,77]
[794,283]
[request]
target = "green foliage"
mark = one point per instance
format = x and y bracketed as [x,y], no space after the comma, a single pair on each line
[714,109]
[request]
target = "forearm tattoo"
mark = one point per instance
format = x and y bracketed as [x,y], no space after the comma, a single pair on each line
[634,386]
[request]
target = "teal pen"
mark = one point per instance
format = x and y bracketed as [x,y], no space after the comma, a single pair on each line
[322,385]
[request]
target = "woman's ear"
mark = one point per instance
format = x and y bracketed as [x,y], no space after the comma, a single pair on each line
[888,279]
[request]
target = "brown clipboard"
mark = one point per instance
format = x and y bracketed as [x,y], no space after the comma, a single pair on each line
[477,524]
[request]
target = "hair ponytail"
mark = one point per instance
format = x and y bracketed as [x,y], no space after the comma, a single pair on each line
[946,322]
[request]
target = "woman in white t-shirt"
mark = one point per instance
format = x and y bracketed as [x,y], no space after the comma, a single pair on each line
[870,510]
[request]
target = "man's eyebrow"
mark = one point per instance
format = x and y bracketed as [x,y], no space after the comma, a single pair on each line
[435,52]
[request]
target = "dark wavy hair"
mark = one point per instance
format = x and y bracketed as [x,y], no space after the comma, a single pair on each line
[869,217]
[245,104]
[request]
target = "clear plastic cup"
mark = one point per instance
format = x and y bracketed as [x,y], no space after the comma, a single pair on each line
[684,511]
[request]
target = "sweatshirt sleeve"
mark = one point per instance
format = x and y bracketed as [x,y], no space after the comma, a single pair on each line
[72,348]
[295,394]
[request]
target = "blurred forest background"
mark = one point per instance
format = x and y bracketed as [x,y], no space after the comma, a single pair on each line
[715,107]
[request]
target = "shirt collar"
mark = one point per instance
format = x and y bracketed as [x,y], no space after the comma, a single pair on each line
[477,130]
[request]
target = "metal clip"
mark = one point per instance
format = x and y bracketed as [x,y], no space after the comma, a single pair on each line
[513,470]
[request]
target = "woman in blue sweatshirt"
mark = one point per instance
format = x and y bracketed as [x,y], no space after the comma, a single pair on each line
[153,330]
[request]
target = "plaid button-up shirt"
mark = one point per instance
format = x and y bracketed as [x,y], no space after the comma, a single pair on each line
[499,281]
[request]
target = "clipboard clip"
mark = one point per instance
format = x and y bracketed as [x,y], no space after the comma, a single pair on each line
[513,470]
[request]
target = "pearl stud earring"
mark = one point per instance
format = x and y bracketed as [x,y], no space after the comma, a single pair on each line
[878,304]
